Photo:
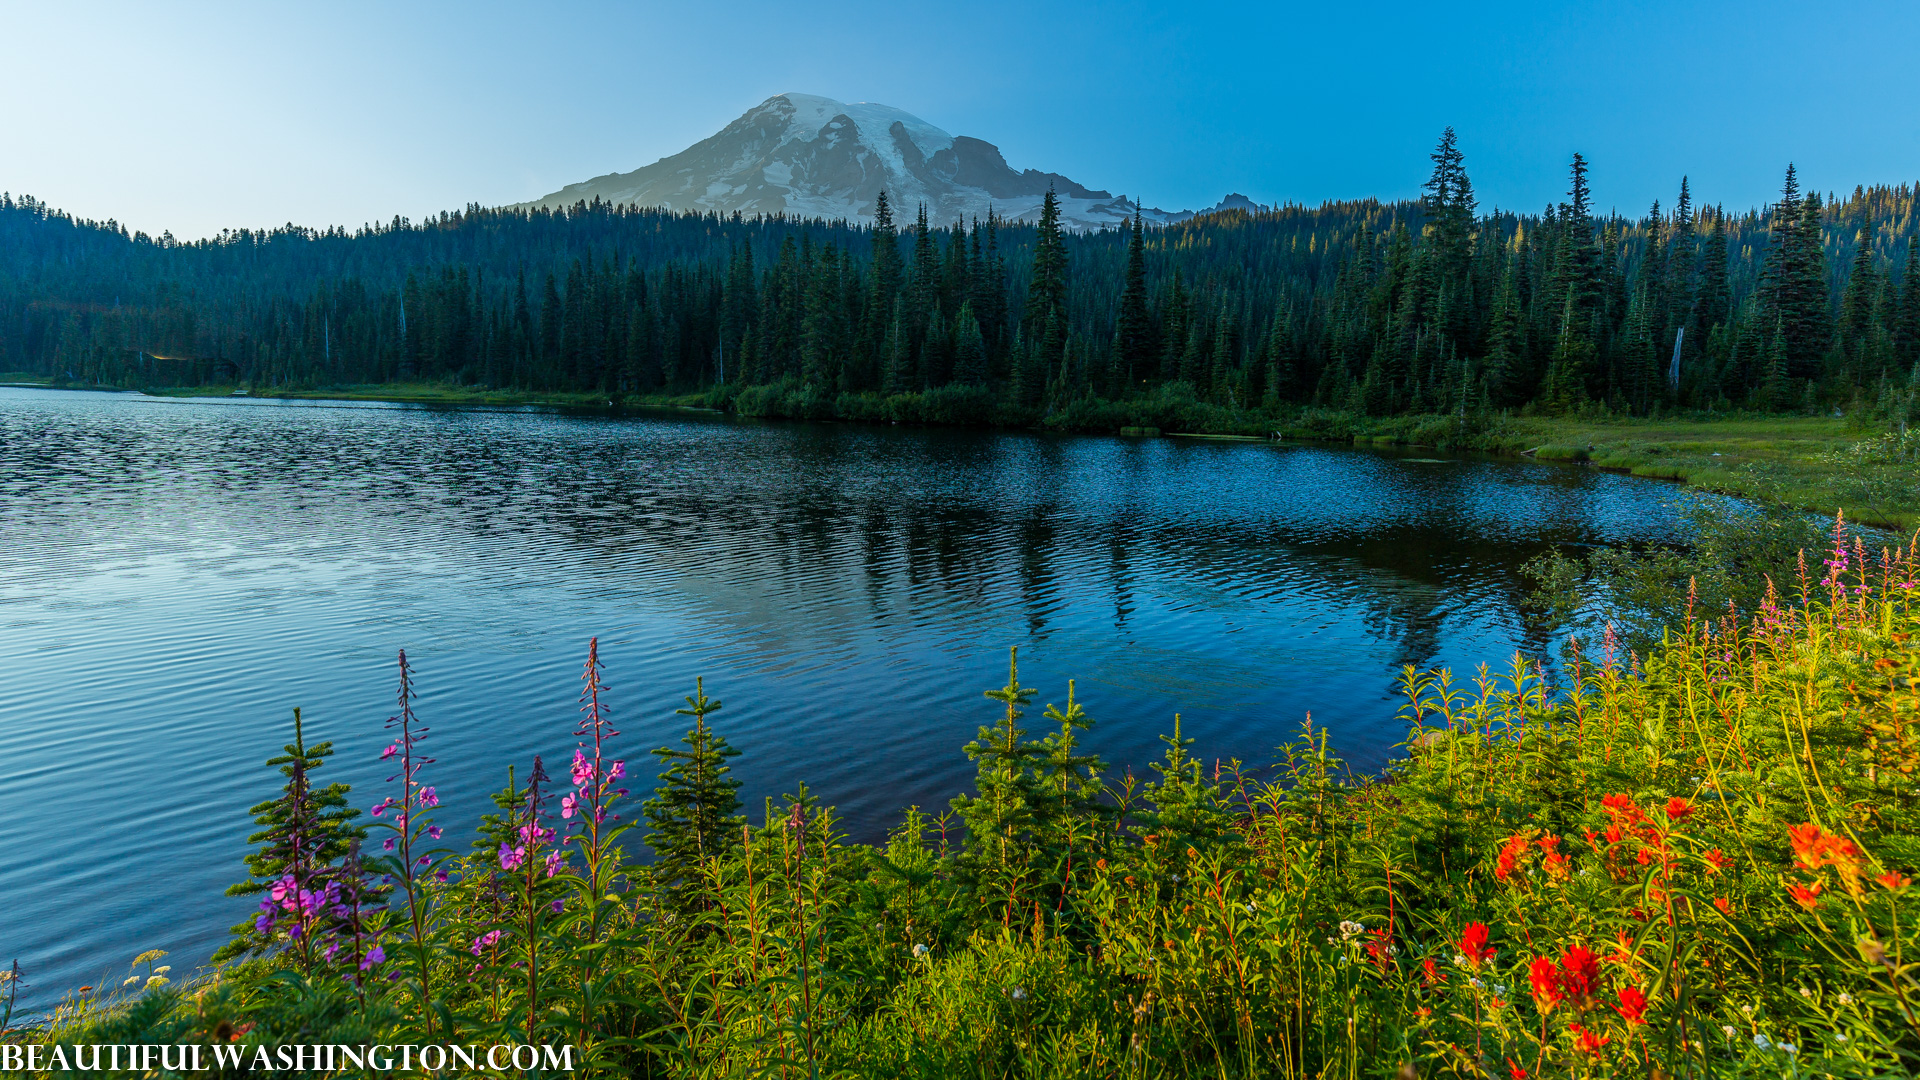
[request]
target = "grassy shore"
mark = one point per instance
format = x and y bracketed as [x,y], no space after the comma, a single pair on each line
[1821,465]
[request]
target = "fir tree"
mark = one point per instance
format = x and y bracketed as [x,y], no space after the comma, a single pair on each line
[1133,337]
[693,817]
[996,860]
[305,832]
[969,349]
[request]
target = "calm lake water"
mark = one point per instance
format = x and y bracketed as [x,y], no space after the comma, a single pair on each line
[176,576]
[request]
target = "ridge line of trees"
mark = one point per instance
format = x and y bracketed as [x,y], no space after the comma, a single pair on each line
[1383,308]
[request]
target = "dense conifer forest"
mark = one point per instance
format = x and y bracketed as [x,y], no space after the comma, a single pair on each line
[1428,306]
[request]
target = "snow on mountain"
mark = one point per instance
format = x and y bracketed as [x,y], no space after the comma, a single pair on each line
[811,156]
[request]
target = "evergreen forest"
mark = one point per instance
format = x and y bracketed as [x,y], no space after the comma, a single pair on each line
[1366,307]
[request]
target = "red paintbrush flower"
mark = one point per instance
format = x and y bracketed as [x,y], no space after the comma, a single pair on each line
[1807,896]
[1473,945]
[1807,843]
[1545,980]
[1580,975]
[1632,1007]
[1587,1042]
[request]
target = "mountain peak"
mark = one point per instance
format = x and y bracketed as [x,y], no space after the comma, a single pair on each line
[812,156]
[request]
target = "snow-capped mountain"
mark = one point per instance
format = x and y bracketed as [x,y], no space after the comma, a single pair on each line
[815,157]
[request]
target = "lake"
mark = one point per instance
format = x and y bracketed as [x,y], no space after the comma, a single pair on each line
[177,575]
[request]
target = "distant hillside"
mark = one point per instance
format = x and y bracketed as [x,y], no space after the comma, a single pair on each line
[809,156]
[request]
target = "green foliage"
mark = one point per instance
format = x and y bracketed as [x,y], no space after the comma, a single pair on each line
[305,832]
[1694,860]
[693,818]
[1379,309]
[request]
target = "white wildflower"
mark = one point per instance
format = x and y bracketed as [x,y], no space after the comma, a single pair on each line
[1761,1042]
[1846,999]
[1349,928]
[1019,993]
[920,949]
[1727,1030]
[1805,993]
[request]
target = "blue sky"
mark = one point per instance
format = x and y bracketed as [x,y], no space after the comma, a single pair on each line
[192,117]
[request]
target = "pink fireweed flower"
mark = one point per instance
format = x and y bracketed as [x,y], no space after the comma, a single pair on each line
[484,941]
[375,955]
[511,857]
[570,805]
[433,832]
[389,751]
[582,769]
[428,797]
[387,843]
[556,862]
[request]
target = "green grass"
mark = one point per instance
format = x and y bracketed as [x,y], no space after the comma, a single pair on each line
[1815,464]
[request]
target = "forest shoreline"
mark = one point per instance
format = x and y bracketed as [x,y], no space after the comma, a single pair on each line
[1812,463]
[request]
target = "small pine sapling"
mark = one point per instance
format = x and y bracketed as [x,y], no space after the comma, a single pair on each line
[694,815]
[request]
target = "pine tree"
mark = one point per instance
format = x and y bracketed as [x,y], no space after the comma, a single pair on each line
[996,861]
[883,284]
[1906,327]
[1133,337]
[1714,304]
[1044,321]
[1794,287]
[969,349]
[1858,301]
[304,832]
[693,817]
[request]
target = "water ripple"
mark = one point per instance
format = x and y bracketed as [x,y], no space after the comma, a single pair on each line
[176,576]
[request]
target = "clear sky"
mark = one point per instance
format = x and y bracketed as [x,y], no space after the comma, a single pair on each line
[194,117]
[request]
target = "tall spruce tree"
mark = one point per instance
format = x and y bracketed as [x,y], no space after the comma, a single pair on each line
[1133,336]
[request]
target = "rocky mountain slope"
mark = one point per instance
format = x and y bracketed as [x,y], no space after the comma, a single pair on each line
[816,157]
